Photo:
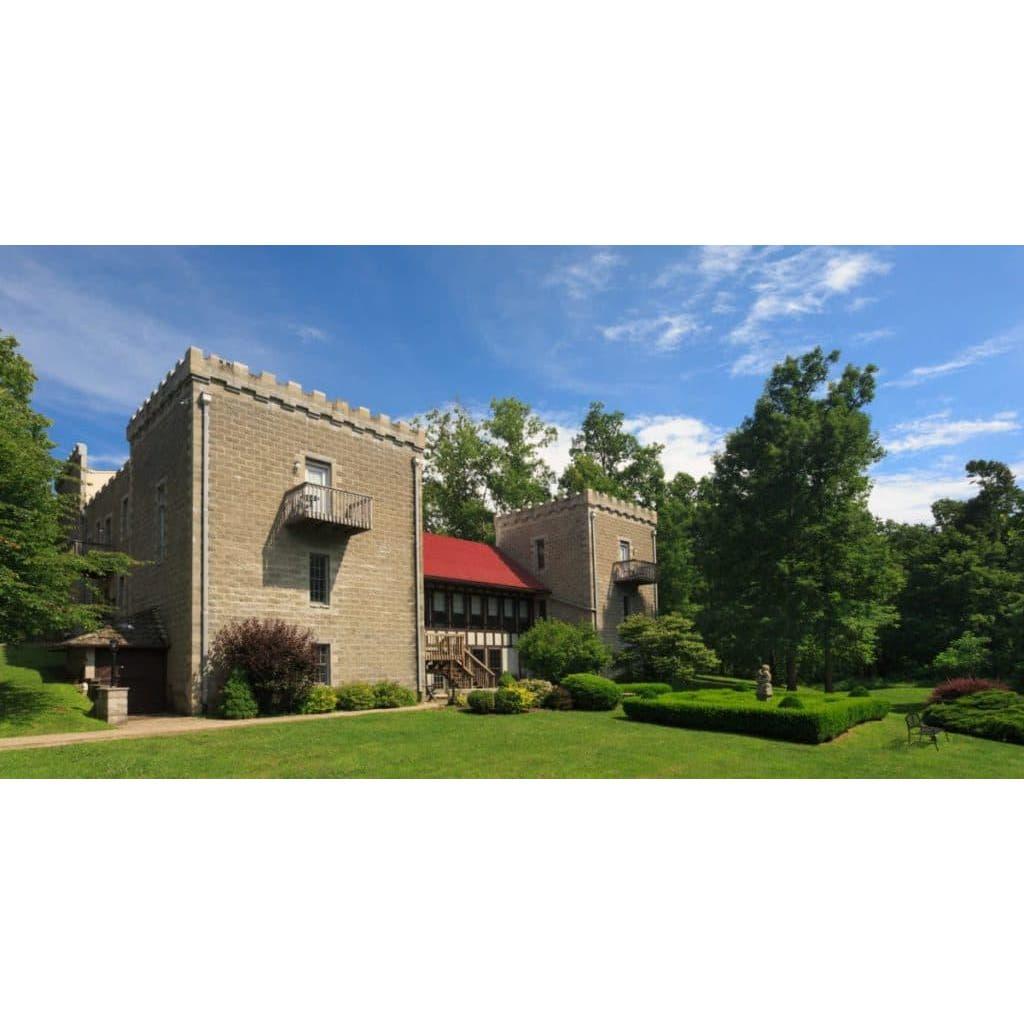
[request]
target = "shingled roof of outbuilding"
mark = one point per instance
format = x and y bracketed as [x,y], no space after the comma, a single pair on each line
[469,561]
[144,629]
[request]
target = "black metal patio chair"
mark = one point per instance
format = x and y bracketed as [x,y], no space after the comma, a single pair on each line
[925,733]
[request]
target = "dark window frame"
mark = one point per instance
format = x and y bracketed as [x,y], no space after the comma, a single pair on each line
[493,622]
[476,619]
[315,578]
[323,664]
[463,616]
[539,553]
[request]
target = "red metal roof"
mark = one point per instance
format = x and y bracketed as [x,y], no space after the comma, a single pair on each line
[469,561]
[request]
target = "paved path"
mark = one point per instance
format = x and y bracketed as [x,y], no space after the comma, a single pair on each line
[144,726]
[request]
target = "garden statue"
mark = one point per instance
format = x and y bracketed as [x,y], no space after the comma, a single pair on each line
[764,683]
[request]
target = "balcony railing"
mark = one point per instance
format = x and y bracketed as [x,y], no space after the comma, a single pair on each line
[82,546]
[633,570]
[314,503]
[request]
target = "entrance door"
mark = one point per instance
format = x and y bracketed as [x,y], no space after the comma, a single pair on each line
[318,496]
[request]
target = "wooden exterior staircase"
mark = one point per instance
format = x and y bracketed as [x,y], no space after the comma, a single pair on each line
[448,655]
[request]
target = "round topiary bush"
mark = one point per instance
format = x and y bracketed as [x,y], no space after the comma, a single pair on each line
[355,697]
[392,695]
[791,700]
[319,700]
[558,699]
[512,700]
[481,702]
[591,692]
[236,699]
[860,691]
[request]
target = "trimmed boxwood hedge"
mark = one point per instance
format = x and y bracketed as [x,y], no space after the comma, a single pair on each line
[592,693]
[481,702]
[643,689]
[743,713]
[991,714]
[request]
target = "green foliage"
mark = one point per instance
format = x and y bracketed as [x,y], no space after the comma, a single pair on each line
[393,695]
[354,697]
[721,711]
[518,476]
[558,699]
[236,699]
[512,700]
[608,458]
[992,715]
[506,679]
[679,579]
[791,700]
[967,655]
[554,649]
[591,692]
[481,701]
[278,659]
[860,691]
[38,571]
[646,690]
[792,560]
[540,688]
[667,648]
[319,700]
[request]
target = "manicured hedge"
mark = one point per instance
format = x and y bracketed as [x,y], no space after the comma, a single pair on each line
[319,700]
[591,693]
[992,715]
[481,701]
[512,700]
[643,689]
[954,689]
[393,695]
[818,721]
[355,697]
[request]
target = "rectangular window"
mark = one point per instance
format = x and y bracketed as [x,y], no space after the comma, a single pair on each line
[625,604]
[493,611]
[323,664]
[99,531]
[508,617]
[624,551]
[108,530]
[542,609]
[161,522]
[524,615]
[439,609]
[538,548]
[121,592]
[476,610]
[319,583]
[478,653]
[123,535]
[494,660]
[458,609]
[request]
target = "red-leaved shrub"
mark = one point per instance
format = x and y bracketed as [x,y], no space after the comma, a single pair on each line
[963,687]
[278,659]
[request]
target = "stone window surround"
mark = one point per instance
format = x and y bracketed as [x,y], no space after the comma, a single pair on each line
[299,466]
[533,547]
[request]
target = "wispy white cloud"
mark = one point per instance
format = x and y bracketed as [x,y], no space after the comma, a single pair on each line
[661,333]
[941,431]
[996,346]
[861,302]
[307,332]
[878,334]
[584,277]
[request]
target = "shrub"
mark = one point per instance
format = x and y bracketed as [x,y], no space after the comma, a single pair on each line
[354,697]
[559,699]
[512,700]
[643,689]
[722,711]
[953,689]
[481,701]
[392,695]
[991,714]
[278,659]
[968,654]
[318,700]
[668,647]
[591,693]
[791,700]
[506,679]
[540,688]
[554,649]
[236,699]
[860,691]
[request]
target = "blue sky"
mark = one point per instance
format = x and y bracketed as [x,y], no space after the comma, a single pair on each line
[679,339]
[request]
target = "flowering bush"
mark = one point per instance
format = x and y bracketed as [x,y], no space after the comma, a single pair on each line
[540,688]
[512,700]
[963,687]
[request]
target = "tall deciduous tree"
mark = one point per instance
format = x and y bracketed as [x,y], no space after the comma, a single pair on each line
[518,476]
[793,562]
[38,571]
[607,457]
[679,580]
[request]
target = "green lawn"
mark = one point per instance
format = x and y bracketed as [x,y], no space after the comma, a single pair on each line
[455,744]
[33,700]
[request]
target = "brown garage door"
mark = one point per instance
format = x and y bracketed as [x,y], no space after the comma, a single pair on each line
[142,671]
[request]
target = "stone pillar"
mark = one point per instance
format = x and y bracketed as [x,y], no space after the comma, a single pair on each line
[111,704]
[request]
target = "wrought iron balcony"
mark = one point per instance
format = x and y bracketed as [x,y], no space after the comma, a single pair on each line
[328,506]
[634,571]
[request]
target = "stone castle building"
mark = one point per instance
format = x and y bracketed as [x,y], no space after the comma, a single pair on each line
[246,496]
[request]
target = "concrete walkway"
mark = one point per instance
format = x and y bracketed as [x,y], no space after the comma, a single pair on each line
[144,726]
